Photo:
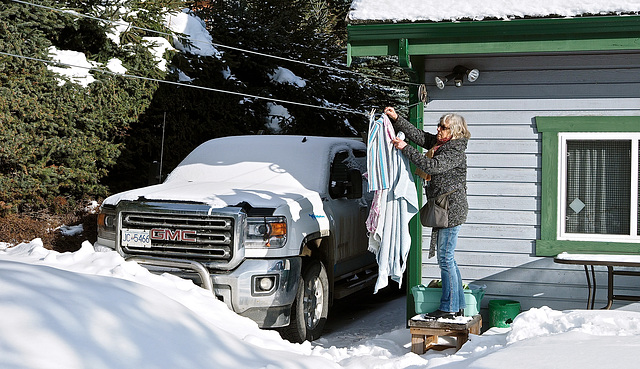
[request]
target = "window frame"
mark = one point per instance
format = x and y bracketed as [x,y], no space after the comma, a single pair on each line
[551,129]
[633,138]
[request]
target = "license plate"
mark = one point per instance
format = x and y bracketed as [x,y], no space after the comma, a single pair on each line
[135,238]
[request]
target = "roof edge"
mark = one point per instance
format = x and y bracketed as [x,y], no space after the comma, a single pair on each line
[599,33]
[510,18]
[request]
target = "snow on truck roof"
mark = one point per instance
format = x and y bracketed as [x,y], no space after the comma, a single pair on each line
[268,169]
[230,159]
[439,10]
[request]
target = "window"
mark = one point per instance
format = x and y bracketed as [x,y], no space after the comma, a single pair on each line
[338,176]
[598,187]
[589,185]
[346,174]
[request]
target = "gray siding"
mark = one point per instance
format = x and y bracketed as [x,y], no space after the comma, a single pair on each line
[497,244]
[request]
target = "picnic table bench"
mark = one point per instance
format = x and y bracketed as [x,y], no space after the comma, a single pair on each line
[425,333]
[610,261]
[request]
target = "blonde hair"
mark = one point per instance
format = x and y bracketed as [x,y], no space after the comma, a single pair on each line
[457,124]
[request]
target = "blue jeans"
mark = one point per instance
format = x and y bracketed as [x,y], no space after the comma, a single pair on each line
[452,292]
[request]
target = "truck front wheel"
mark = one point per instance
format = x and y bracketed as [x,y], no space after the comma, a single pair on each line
[310,309]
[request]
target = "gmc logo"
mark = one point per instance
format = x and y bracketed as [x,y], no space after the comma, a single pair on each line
[173,235]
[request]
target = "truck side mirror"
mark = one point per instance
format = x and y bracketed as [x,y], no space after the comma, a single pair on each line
[354,188]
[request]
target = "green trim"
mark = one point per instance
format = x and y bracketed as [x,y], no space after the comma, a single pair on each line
[588,124]
[527,46]
[598,33]
[549,186]
[403,54]
[553,248]
[414,263]
[550,127]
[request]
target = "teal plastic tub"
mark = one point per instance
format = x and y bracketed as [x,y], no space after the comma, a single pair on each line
[427,299]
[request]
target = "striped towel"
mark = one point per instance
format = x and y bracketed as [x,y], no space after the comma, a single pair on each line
[379,149]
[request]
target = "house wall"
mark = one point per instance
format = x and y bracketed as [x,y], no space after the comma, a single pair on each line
[497,244]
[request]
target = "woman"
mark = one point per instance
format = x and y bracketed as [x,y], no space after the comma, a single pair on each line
[445,166]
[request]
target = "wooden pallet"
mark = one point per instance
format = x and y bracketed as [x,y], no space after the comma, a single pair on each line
[425,333]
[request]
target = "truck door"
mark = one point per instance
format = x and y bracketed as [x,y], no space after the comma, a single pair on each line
[350,203]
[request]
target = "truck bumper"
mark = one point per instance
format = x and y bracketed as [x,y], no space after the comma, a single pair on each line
[260,289]
[241,291]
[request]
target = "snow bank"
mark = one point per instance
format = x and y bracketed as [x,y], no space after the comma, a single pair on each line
[90,309]
[95,310]
[544,322]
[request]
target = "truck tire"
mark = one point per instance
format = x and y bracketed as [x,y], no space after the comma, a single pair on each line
[311,307]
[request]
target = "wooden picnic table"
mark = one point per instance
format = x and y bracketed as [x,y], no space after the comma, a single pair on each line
[610,261]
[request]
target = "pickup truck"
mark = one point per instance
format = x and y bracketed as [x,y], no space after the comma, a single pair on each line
[274,226]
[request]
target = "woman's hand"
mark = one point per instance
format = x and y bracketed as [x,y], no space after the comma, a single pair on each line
[398,143]
[391,113]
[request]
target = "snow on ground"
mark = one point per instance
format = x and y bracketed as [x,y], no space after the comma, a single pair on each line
[445,10]
[75,230]
[91,309]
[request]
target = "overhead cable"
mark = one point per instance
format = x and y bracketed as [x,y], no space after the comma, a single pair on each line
[74,13]
[186,85]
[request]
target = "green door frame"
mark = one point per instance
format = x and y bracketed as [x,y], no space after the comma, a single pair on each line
[415,68]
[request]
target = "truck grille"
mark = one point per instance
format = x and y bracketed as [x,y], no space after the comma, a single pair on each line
[210,238]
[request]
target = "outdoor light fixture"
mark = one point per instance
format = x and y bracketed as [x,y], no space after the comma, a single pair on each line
[440,81]
[457,75]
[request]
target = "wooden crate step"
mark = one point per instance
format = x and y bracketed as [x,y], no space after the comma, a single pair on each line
[425,333]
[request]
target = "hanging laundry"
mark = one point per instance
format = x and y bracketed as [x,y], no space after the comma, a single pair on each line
[395,202]
[379,152]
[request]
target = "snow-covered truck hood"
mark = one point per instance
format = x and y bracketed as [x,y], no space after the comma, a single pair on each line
[263,171]
[219,195]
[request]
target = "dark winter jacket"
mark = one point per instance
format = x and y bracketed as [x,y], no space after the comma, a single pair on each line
[448,169]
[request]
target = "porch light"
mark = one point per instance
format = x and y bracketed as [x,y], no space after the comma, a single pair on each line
[459,72]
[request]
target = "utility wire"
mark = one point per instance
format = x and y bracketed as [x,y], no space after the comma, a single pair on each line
[74,13]
[186,85]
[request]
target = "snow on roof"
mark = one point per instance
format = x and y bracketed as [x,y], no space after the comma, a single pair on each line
[448,10]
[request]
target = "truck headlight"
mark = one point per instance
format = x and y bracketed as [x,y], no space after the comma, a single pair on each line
[266,232]
[107,224]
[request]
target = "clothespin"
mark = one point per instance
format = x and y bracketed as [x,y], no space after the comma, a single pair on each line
[373,114]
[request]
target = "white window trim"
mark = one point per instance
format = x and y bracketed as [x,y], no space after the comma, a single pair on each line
[562,165]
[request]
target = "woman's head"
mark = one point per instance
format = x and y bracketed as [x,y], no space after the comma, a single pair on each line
[454,126]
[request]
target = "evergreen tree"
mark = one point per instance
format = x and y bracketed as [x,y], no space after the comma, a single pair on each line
[306,31]
[58,139]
